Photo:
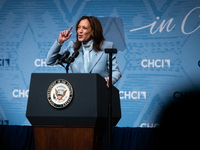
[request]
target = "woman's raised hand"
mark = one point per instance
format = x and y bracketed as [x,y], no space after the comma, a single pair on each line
[64,35]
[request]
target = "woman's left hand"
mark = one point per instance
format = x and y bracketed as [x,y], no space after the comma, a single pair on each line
[107,81]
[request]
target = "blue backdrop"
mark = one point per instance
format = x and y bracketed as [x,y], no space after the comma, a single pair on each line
[158,44]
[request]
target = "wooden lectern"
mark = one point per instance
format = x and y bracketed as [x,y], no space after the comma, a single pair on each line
[79,123]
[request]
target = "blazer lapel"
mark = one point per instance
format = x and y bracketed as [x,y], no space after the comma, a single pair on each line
[95,58]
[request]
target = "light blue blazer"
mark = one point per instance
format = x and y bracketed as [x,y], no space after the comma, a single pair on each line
[99,62]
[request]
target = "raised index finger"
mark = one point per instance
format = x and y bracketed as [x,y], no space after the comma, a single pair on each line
[70,29]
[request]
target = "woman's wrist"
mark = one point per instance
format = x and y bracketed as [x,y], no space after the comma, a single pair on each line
[60,41]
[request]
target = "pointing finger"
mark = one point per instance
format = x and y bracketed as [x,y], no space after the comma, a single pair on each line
[70,29]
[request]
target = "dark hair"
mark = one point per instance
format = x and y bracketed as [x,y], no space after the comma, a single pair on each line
[97,37]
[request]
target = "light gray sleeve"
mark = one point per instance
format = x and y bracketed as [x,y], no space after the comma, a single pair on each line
[55,50]
[52,55]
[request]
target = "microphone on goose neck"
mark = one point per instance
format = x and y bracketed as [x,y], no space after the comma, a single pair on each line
[63,57]
[72,58]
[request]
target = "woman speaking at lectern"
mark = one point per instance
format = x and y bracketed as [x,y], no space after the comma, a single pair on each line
[91,44]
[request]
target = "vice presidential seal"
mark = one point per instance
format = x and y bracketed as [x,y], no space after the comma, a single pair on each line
[60,93]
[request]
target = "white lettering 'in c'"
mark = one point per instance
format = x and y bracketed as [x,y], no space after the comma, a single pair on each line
[160,28]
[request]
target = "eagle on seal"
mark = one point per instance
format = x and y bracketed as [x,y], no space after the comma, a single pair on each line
[60,94]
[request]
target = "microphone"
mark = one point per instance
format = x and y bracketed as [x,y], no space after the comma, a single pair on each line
[63,57]
[72,58]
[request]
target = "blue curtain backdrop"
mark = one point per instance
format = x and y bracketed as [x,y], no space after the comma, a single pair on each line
[16,138]
[157,41]
[22,138]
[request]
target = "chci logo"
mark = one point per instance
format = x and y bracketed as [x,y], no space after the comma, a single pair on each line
[60,93]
